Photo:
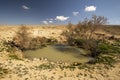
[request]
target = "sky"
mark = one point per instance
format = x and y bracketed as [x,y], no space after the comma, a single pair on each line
[57,11]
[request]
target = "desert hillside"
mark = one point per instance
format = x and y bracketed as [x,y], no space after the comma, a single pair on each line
[19,68]
[8,31]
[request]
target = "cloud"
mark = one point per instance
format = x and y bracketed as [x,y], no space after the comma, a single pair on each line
[25,7]
[45,22]
[90,8]
[50,21]
[61,18]
[75,13]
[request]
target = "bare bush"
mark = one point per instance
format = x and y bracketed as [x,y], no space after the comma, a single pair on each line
[37,42]
[81,35]
[22,38]
[25,41]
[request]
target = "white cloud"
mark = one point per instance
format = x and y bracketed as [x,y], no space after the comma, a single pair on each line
[61,18]
[90,8]
[50,21]
[45,22]
[75,13]
[25,7]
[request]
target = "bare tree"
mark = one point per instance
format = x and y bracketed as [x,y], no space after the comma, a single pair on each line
[95,23]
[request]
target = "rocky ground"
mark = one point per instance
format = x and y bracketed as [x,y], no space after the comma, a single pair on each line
[42,69]
[12,68]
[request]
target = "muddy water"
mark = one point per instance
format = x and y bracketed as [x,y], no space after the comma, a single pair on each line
[59,53]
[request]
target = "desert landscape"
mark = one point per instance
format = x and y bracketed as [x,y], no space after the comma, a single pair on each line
[36,30]
[59,40]
[21,68]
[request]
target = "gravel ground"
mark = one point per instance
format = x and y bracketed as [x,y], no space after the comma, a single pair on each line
[42,69]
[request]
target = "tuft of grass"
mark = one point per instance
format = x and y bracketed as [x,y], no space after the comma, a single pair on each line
[13,56]
[3,72]
[105,59]
[45,66]
[70,67]
[83,66]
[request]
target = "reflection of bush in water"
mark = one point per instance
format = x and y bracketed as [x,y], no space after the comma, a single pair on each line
[67,49]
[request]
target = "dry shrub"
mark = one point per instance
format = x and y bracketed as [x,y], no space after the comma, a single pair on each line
[22,38]
[25,41]
[37,42]
[81,35]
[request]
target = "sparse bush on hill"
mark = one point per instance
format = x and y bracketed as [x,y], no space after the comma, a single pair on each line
[25,41]
[37,42]
[22,38]
[84,29]
[51,41]
[81,35]
[6,46]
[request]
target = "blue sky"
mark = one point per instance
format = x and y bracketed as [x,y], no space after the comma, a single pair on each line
[57,11]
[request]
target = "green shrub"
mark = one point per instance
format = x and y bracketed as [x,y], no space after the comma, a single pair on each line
[108,48]
[109,60]
[104,47]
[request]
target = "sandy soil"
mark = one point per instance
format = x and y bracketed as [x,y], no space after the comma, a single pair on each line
[7,32]
[30,70]
[37,69]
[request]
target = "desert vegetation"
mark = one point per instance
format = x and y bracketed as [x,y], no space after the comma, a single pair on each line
[10,50]
[25,41]
[85,35]
[82,35]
